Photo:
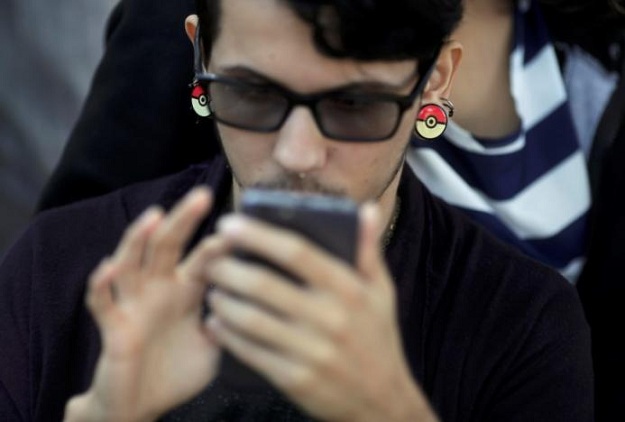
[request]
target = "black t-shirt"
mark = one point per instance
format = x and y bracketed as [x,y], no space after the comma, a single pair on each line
[490,335]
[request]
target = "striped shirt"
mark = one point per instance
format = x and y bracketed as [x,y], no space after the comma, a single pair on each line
[530,188]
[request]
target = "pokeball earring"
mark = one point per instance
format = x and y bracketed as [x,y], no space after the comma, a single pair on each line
[199,100]
[432,119]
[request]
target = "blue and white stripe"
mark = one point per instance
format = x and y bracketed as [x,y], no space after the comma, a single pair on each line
[530,189]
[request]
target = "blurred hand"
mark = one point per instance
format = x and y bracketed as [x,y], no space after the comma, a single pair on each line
[332,344]
[156,350]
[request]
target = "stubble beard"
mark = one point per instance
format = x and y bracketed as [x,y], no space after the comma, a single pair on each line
[290,181]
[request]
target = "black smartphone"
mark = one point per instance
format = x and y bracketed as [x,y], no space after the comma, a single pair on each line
[329,221]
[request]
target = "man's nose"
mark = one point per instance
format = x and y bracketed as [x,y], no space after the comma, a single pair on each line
[301,147]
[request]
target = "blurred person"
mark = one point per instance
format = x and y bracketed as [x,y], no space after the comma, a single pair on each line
[130,112]
[48,53]
[535,151]
[442,322]
[520,153]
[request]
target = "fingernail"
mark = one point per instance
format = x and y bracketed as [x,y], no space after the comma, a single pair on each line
[197,192]
[231,224]
[149,215]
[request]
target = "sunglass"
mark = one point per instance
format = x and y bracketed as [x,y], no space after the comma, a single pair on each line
[339,114]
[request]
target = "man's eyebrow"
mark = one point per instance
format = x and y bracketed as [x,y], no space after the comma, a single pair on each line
[252,75]
[246,73]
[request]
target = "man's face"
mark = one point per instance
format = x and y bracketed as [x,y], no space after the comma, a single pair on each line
[264,41]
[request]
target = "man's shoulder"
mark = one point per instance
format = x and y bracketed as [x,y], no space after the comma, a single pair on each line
[128,202]
[98,222]
[460,264]
[466,257]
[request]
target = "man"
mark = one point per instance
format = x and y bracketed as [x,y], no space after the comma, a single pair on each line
[131,112]
[443,323]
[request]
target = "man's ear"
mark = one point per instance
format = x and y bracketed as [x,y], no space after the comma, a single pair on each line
[440,82]
[190,26]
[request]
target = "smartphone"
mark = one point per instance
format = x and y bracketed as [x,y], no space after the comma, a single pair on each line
[331,222]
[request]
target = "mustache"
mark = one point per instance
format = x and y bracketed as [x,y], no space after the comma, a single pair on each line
[293,182]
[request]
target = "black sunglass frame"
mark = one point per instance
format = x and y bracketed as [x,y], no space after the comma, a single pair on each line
[404,102]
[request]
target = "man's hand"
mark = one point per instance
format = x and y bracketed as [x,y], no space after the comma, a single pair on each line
[157,352]
[332,344]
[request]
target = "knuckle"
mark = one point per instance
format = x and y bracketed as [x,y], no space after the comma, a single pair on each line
[355,296]
[325,359]
[163,241]
[296,250]
[299,381]
[257,283]
[246,319]
[337,324]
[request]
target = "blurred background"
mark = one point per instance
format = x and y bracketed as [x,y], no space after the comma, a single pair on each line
[49,51]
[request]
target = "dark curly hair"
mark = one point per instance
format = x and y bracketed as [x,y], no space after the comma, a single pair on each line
[362,29]
[595,25]
[592,9]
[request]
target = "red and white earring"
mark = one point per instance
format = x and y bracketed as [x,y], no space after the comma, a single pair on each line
[199,100]
[432,119]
